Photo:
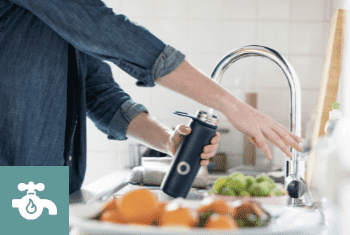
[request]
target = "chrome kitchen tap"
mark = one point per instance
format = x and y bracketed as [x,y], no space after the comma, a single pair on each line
[295,169]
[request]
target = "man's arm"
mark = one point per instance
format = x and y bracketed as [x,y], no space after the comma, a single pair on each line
[95,29]
[188,81]
[114,113]
[108,106]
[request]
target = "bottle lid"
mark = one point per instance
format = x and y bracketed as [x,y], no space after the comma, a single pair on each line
[204,117]
[335,114]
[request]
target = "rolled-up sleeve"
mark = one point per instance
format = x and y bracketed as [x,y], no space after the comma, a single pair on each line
[108,106]
[122,118]
[95,29]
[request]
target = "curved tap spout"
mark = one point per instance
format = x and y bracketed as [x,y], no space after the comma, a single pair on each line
[293,81]
[49,205]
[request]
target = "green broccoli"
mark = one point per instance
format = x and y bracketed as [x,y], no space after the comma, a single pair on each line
[237,183]
[250,180]
[227,191]
[262,178]
[219,183]
[264,188]
[253,189]
[259,189]
[244,194]
[276,192]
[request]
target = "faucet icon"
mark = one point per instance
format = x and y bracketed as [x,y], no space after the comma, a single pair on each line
[295,169]
[31,206]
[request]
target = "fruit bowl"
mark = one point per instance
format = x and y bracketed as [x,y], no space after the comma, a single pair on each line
[285,220]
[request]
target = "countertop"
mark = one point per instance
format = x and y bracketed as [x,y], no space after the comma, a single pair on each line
[99,187]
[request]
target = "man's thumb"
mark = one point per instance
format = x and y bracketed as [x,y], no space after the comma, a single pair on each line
[183,129]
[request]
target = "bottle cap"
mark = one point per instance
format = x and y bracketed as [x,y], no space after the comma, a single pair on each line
[204,117]
[335,114]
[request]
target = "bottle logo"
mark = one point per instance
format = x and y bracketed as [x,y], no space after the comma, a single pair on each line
[183,168]
[31,206]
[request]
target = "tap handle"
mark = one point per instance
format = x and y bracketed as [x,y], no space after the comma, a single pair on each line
[296,189]
[31,186]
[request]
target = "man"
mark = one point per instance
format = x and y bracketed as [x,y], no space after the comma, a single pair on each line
[44,104]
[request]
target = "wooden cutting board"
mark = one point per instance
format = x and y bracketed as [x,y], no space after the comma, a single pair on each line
[330,82]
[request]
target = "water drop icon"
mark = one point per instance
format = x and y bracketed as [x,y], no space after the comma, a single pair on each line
[31,207]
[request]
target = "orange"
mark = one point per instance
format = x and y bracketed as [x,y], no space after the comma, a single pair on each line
[220,206]
[161,209]
[111,205]
[180,217]
[139,206]
[217,206]
[221,222]
[112,216]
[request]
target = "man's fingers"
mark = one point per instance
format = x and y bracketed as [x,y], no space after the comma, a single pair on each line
[183,129]
[216,138]
[210,148]
[277,140]
[204,162]
[208,155]
[261,141]
[281,129]
[289,138]
[295,137]
[291,142]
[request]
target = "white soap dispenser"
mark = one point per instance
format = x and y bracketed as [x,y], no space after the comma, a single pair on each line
[334,116]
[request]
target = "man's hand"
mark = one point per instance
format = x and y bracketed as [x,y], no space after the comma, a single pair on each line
[208,151]
[259,127]
[150,132]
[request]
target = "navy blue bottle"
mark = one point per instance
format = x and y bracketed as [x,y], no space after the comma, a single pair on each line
[184,168]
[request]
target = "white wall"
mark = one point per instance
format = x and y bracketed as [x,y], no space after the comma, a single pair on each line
[206,30]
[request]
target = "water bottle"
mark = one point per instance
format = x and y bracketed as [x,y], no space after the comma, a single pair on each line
[184,168]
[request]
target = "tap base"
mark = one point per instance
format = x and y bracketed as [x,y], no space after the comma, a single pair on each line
[296,202]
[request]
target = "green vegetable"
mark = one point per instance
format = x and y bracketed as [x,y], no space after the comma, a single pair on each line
[271,184]
[237,184]
[276,192]
[250,180]
[219,183]
[245,194]
[262,178]
[227,191]
[203,218]
[254,189]
[263,189]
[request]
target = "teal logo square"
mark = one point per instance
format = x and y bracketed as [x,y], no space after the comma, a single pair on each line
[34,200]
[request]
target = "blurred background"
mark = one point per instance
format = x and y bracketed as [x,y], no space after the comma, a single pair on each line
[205,31]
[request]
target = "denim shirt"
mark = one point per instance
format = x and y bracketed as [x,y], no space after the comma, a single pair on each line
[43,113]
